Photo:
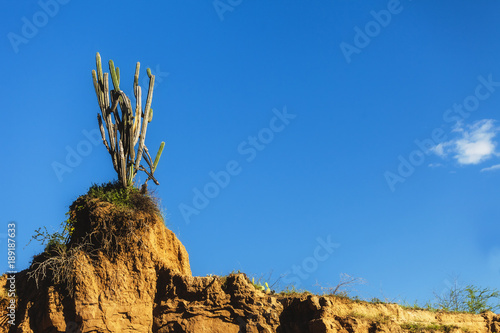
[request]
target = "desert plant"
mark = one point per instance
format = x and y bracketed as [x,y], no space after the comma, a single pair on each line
[57,240]
[470,298]
[58,266]
[124,128]
[345,286]
[259,286]
[479,299]
[453,299]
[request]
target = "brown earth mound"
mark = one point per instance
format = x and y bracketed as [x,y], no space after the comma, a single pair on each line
[124,271]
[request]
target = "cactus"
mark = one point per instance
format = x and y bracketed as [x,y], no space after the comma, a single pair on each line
[158,155]
[147,109]
[99,66]
[123,125]
[114,78]
[118,75]
[136,76]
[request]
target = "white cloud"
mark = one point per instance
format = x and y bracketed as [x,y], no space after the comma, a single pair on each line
[435,165]
[491,168]
[441,149]
[473,145]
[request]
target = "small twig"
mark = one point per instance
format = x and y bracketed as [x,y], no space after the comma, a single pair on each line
[150,176]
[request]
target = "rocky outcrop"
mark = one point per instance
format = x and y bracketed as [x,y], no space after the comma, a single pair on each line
[105,280]
[336,314]
[213,304]
[124,271]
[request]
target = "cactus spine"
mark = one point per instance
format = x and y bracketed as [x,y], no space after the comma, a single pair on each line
[123,123]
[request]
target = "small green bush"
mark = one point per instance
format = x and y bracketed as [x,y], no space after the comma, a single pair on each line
[470,298]
[56,241]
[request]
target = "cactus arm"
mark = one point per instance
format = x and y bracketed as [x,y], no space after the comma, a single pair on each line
[114,78]
[131,174]
[94,79]
[134,133]
[130,141]
[105,84]
[103,134]
[158,155]
[103,98]
[126,106]
[98,91]
[114,108]
[150,94]
[98,66]
[96,84]
[138,113]
[107,115]
[122,174]
[136,76]
[145,123]
[110,149]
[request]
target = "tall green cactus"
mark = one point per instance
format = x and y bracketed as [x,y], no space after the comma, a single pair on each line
[114,77]
[158,155]
[123,123]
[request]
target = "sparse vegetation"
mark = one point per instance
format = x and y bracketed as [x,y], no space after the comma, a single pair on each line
[469,298]
[259,286]
[345,287]
[478,299]
[461,299]
[58,265]
[415,306]
[292,290]
[118,227]
[419,327]
[130,197]
[223,278]
[55,241]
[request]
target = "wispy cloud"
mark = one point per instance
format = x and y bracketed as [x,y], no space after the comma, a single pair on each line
[491,168]
[474,143]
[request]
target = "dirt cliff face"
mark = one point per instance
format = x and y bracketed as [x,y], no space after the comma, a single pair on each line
[124,271]
[213,304]
[105,279]
[335,314]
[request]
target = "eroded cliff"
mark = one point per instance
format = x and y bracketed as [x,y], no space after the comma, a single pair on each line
[122,270]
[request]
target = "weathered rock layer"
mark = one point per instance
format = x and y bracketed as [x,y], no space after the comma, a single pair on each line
[124,271]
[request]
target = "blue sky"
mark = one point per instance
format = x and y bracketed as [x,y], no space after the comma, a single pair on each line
[361,137]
